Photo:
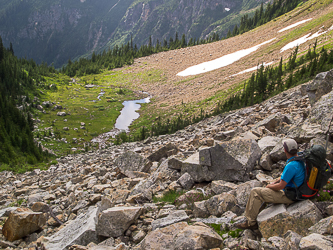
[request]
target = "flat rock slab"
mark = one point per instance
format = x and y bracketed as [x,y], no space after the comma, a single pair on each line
[172,218]
[81,231]
[298,217]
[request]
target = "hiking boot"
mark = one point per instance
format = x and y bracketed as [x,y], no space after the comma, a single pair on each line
[246,225]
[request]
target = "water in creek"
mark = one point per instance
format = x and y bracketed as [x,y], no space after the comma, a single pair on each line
[128,114]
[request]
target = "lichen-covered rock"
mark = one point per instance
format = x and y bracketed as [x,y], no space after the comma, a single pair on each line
[163,152]
[321,85]
[162,238]
[277,153]
[298,217]
[181,236]
[291,240]
[23,222]
[113,222]
[131,161]
[219,204]
[186,181]
[197,236]
[242,192]
[273,122]
[316,241]
[200,210]
[324,226]
[219,187]
[267,143]
[321,113]
[239,158]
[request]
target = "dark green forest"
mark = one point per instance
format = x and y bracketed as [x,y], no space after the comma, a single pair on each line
[18,78]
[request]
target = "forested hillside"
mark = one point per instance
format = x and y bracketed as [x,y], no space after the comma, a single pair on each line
[18,79]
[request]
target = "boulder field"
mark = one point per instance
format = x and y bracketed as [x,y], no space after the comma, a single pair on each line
[109,199]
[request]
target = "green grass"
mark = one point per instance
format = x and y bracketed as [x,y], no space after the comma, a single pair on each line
[233,233]
[82,104]
[168,197]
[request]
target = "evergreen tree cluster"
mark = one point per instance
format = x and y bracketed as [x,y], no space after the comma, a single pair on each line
[125,55]
[269,81]
[17,81]
[261,16]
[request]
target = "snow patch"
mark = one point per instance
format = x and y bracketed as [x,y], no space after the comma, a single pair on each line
[302,40]
[252,69]
[226,9]
[220,62]
[294,25]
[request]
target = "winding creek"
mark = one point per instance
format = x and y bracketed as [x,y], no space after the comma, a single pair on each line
[127,115]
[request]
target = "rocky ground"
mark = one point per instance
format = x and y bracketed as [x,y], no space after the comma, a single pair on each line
[104,199]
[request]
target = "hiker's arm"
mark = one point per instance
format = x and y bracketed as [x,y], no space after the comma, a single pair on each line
[276,181]
[277,186]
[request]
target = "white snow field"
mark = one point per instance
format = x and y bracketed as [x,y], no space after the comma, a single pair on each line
[252,69]
[220,62]
[294,25]
[302,40]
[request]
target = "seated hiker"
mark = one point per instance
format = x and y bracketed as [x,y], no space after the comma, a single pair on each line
[273,193]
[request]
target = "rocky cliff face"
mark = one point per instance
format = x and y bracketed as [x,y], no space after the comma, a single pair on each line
[54,31]
[103,199]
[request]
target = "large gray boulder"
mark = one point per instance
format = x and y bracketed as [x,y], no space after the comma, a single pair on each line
[321,85]
[229,161]
[324,226]
[298,217]
[317,242]
[163,152]
[267,143]
[322,112]
[131,161]
[219,204]
[81,231]
[220,186]
[197,236]
[242,192]
[182,236]
[113,222]
[162,238]
[273,122]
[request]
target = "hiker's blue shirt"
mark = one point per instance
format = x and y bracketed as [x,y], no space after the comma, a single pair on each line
[294,170]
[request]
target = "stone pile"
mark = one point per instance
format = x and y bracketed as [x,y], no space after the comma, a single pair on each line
[104,199]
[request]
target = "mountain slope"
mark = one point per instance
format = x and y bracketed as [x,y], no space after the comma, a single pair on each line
[54,31]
